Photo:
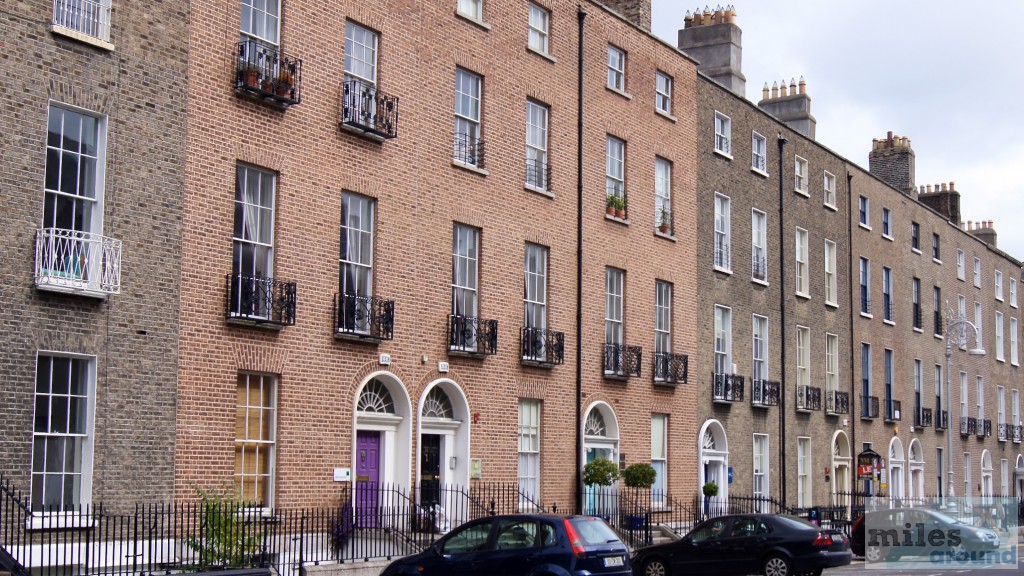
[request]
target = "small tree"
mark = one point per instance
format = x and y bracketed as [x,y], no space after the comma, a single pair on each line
[600,472]
[226,536]
[710,489]
[639,475]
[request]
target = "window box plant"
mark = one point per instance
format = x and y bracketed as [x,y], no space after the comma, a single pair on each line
[615,206]
[665,221]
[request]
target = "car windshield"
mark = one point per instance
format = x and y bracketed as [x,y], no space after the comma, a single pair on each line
[795,522]
[943,518]
[593,531]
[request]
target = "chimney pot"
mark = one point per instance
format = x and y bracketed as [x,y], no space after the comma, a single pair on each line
[929,188]
[803,85]
[783,88]
[952,187]
[764,92]
[943,186]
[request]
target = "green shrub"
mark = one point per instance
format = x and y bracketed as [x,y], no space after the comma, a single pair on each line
[639,475]
[600,472]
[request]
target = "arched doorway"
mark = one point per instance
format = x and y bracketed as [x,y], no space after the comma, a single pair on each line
[383,426]
[915,463]
[986,477]
[443,443]
[897,487]
[841,475]
[600,440]
[713,463]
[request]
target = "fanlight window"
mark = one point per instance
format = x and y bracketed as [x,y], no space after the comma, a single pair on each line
[708,442]
[437,404]
[595,424]
[375,398]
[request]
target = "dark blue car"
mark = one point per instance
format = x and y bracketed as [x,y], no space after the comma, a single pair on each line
[521,545]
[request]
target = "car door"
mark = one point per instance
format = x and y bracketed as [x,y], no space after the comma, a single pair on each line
[701,551]
[516,549]
[747,539]
[462,552]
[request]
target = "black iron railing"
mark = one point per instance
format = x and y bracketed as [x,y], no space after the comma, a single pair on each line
[264,71]
[723,144]
[764,393]
[938,323]
[722,259]
[364,316]
[941,419]
[1002,432]
[887,306]
[1015,433]
[837,402]
[366,108]
[260,300]
[917,315]
[808,398]
[869,406]
[968,425]
[865,300]
[472,335]
[727,387]
[670,368]
[545,347]
[893,412]
[537,173]
[469,149]
[622,360]
[922,417]
[759,268]
[984,427]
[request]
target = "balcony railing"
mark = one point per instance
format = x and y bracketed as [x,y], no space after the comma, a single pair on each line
[941,419]
[468,150]
[260,300]
[869,406]
[808,398]
[264,72]
[917,316]
[472,335]
[77,262]
[984,428]
[1015,433]
[367,109]
[938,323]
[759,268]
[1002,432]
[968,425]
[865,300]
[541,347]
[621,360]
[764,393]
[758,162]
[723,144]
[893,410]
[537,173]
[727,387]
[670,368]
[922,417]
[837,402]
[89,17]
[887,307]
[722,259]
[367,317]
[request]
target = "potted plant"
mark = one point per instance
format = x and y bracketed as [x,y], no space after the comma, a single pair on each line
[285,81]
[250,74]
[616,206]
[610,202]
[597,473]
[710,490]
[665,221]
[642,476]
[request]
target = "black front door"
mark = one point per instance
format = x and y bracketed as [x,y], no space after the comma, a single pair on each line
[430,469]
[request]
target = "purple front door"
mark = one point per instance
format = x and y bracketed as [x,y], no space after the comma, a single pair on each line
[367,477]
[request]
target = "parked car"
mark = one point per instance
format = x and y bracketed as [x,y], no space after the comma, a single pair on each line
[769,544]
[521,545]
[968,538]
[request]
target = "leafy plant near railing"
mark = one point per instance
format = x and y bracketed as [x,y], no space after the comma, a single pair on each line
[226,536]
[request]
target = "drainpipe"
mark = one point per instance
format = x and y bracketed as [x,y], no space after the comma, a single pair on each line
[581,14]
[783,405]
[853,349]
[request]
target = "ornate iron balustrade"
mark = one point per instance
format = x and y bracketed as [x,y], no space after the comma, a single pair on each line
[887,307]
[938,323]
[917,316]
[922,417]
[727,387]
[984,428]
[469,150]
[544,347]
[260,300]
[723,144]
[764,393]
[367,109]
[869,406]
[472,335]
[968,425]
[893,410]
[266,72]
[865,300]
[759,268]
[1002,432]
[87,17]
[1015,431]
[622,360]
[808,398]
[837,402]
[537,173]
[77,262]
[941,419]
[671,368]
[722,259]
[367,317]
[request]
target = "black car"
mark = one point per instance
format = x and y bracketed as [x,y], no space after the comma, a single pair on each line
[521,545]
[952,536]
[769,544]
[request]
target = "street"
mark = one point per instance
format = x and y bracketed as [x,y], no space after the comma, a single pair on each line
[858,567]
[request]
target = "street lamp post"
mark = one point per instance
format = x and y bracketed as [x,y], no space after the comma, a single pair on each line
[954,329]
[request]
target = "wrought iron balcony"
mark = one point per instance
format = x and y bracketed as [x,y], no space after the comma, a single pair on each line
[77,262]
[256,300]
[722,259]
[670,368]
[621,360]
[366,109]
[472,335]
[723,144]
[367,317]
[968,425]
[264,72]
[869,406]
[537,174]
[759,268]
[984,428]
[941,419]
[1015,432]
[808,398]
[938,323]
[727,387]
[88,17]
[917,316]
[865,300]
[922,417]
[837,402]
[764,393]
[541,347]
[893,410]
[758,162]
[468,150]
[887,307]
[1002,432]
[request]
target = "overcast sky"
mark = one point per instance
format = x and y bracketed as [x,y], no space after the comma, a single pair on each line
[946,74]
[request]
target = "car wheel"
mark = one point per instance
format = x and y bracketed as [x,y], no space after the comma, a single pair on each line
[959,551]
[872,553]
[776,566]
[656,567]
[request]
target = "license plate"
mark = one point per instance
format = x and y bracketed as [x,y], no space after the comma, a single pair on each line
[613,561]
[838,538]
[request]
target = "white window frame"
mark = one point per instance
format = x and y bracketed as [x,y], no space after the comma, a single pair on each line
[663,93]
[803,472]
[803,268]
[361,46]
[1013,292]
[886,223]
[535,288]
[1000,352]
[977,272]
[1001,407]
[829,186]
[915,299]
[760,465]
[803,360]
[256,205]
[964,398]
[468,101]
[662,192]
[915,237]
[1004,478]
[980,400]
[759,349]
[270,33]
[662,317]
[967,474]
[758,245]
[269,444]
[759,153]
[1015,407]
[471,9]
[1014,354]
[88,196]
[936,247]
[864,212]
[614,300]
[528,467]
[83,18]
[659,458]
[465,273]
[960,264]
[355,261]
[978,313]
[800,176]
[723,134]
[888,312]
[831,362]
[723,233]
[615,167]
[865,287]
[537,145]
[831,281]
[999,285]
[723,339]
[616,69]
[539,22]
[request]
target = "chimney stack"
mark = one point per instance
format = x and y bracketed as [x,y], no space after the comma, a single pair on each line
[713,39]
[892,160]
[792,106]
[945,200]
[983,230]
[636,11]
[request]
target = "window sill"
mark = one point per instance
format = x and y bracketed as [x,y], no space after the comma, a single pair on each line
[915,251]
[623,221]
[725,155]
[470,168]
[937,261]
[616,376]
[833,305]
[999,299]
[543,55]
[541,191]
[534,363]
[887,237]
[804,193]
[759,281]
[665,235]
[473,20]
[918,330]
[803,295]
[51,285]
[1003,360]
[759,172]
[622,93]
[59,521]
[866,315]
[888,322]
[831,207]
[254,323]
[867,227]
[362,133]
[723,270]
[356,337]
[83,38]
[1015,364]
[666,115]
[468,354]
[939,336]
